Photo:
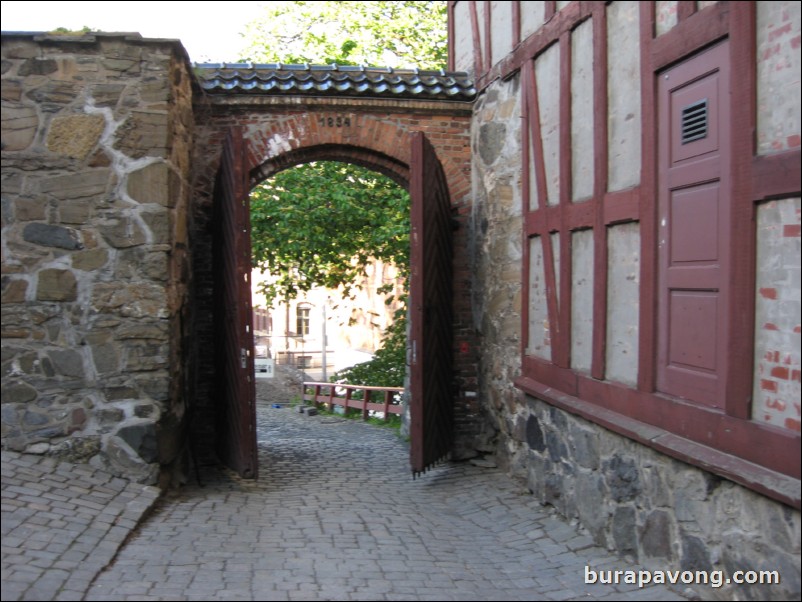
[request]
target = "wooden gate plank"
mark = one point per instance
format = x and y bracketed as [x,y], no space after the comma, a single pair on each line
[431,353]
[233,313]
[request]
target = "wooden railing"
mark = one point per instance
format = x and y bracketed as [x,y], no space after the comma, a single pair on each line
[334,394]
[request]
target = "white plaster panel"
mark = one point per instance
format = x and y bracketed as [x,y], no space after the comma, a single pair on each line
[539,330]
[547,71]
[582,300]
[532,17]
[665,16]
[623,306]
[463,38]
[582,111]
[777,389]
[778,74]
[623,89]
[561,4]
[702,4]
[501,30]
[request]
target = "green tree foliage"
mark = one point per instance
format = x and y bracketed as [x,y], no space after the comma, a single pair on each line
[323,223]
[400,34]
[319,224]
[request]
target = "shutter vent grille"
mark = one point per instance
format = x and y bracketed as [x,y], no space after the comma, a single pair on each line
[694,121]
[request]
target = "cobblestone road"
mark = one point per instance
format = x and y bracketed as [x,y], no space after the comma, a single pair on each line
[336,516]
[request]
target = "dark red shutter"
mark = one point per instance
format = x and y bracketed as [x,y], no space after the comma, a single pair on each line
[430,294]
[233,314]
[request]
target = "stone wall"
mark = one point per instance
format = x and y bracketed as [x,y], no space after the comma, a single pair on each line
[654,509]
[96,134]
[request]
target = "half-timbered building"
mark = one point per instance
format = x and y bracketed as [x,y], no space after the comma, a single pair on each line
[636,178]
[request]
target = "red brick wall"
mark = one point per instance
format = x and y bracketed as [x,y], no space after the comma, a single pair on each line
[376,136]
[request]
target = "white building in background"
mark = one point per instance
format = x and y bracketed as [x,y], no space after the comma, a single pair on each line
[293,332]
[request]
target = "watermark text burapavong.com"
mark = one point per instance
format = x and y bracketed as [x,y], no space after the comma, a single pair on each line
[715,579]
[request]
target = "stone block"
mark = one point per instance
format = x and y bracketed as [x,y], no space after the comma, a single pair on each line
[109,416]
[90,260]
[623,479]
[584,446]
[27,210]
[68,362]
[52,236]
[144,134]
[153,330]
[136,300]
[55,92]
[155,183]
[37,66]
[534,434]
[106,358]
[156,385]
[18,125]
[75,135]
[18,392]
[140,357]
[123,233]
[695,555]
[155,266]
[56,285]
[491,141]
[625,532]
[34,419]
[655,536]
[83,184]
[11,90]
[106,95]
[593,512]
[74,212]
[124,461]
[76,450]
[14,290]
[158,221]
[556,446]
[141,437]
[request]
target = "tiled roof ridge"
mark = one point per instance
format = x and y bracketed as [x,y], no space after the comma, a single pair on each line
[334,79]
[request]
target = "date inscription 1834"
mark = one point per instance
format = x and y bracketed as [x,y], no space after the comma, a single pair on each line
[334,122]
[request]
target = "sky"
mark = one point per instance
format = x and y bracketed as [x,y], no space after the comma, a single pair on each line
[210,31]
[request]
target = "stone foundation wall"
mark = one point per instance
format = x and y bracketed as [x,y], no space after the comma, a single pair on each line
[96,135]
[662,512]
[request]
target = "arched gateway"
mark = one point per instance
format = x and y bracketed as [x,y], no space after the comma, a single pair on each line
[252,122]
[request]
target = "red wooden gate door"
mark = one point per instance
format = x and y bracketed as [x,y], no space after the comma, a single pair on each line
[430,294]
[695,207]
[236,392]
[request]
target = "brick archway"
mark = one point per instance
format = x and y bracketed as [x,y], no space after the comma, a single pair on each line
[283,131]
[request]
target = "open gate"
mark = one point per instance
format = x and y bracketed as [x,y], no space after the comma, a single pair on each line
[430,294]
[236,390]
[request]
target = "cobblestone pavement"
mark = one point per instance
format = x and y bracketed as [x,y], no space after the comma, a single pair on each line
[337,516]
[62,524]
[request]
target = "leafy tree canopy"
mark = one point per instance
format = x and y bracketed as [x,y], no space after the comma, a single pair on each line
[321,224]
[399,34]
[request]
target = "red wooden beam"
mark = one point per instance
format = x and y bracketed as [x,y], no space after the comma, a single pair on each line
[743,244]
[647,206]
[477,40]
[600,167]
[563,346]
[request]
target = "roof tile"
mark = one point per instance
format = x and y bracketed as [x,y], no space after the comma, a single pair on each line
[334,80]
